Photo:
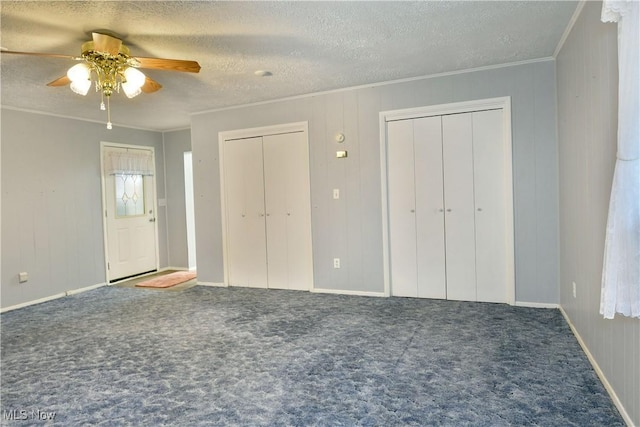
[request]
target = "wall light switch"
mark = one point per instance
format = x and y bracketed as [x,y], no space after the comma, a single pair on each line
[341,154]
[336,193]
[23,277]
[574,289]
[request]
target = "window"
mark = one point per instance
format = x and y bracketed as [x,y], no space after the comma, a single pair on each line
[129,195]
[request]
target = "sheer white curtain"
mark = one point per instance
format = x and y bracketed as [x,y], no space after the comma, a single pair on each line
[621,270]
[129,162]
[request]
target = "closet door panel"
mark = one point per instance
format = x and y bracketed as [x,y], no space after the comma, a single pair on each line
[457,146]
[298,213]
[431,275]
[288,208]
[402,220]
[490,198]
[275,178]
[244,191]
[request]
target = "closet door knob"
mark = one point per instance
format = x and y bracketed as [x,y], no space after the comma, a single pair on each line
[261,215]
[441,210]
[413,210]
[479,209]
[448,210]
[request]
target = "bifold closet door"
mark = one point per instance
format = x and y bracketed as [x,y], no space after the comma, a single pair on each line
[288,211]
[490,165]
[457,154]
[402,206]
[245,213]
[415,208]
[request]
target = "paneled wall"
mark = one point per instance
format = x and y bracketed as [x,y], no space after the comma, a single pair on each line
[52,203]
[351,228]
[175,144]
[587,127]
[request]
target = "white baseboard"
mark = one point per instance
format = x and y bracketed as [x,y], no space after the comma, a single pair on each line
[344,292]
[52,297]
[536,304]
[212,284]
[594,363]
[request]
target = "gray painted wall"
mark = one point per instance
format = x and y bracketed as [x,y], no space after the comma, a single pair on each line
[52,202]
[175,145]
[587,128]
[351,228]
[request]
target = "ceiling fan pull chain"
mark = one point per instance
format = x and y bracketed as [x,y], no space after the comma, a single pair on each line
[109,125]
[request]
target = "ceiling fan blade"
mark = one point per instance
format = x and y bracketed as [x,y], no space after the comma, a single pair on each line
[51,55]
[150,86]
[62,81]
[106,44]
[169,64]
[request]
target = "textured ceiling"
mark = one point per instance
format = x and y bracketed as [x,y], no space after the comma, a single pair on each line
[308,46]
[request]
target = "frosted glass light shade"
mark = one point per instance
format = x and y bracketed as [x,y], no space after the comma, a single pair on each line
[81,87]
[79,72]
[134,80]
[130,90]
[134,77]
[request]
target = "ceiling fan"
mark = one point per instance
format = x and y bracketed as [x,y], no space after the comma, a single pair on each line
[107,62]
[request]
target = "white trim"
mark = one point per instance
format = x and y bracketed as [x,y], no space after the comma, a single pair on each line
[614,397]
[503,103]
[536,304]
[53,297]
[252,133]
[106,144]
[346,292]
[212,284]
[62,116]
[567,31]
[371,85]
[164,205]
[444,109]
[263,131]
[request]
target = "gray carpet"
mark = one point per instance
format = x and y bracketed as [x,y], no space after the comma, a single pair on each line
[214,356]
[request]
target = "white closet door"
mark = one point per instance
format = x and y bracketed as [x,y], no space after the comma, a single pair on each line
[244,191]
[427,140]
[402,207]
[490,198]
[288,210]
[457,146]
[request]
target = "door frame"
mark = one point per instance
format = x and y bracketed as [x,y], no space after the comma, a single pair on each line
[439,110]
[104,145]
[243,134]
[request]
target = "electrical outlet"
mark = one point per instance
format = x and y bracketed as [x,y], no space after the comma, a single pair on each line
[336,193]
[574,289]
[336,263]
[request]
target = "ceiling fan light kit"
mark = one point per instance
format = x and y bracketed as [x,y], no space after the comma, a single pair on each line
[108,63]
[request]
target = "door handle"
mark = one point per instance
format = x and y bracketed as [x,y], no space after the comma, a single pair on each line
[152,220]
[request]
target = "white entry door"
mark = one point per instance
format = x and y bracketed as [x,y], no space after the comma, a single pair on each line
[130,216]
